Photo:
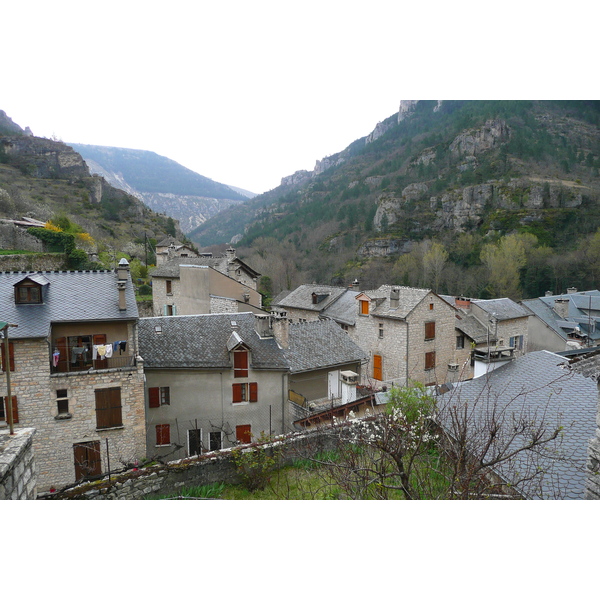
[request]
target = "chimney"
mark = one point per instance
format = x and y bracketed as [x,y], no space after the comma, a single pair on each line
[281,331]
[561,307]
[122,277]
[355,285]
[464,303]
[548,293]
[394,298]
[263,325]
[571,290]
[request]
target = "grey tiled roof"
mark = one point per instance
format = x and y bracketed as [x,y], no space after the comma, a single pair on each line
[409,298]
[219,263]
[540,384]
[68,296]
[320,344]
[302,297]
[502,308]
[344,309]
[200,342]
[473,328]
[545,312]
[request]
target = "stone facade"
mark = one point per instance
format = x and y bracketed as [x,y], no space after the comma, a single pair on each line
[17,465]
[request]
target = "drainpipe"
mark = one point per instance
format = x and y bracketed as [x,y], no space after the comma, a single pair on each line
[9,403]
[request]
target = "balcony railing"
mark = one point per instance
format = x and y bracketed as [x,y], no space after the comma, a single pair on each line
[81,365]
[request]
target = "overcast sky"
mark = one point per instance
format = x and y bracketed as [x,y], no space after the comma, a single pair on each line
[246,92]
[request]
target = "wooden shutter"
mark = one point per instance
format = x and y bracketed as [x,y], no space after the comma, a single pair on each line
[163,435]
[11,356]
[63,360]
[253,392]
[154,397]
[243,434]
[15,409]
[237,392]
[99,340]
[87,459]
[364,307]
[430,330]
[240,363]
[429,360]
[108,408]
[377,367]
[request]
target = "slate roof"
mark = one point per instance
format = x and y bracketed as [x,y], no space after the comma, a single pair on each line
[474,329]
[171,267]
[68,296]
[200,342]
[343,309]
[541,382]
[545,312]
[302,297]
[320,344]
[502,308]
[409,298]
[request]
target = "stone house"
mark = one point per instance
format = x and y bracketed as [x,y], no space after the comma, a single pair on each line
[213,380]
[75,374]
[171,248]
[188,286]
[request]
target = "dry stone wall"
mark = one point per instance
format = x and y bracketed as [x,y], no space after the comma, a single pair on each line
[17,465]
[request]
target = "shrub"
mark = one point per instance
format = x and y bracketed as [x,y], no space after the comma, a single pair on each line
[255,466]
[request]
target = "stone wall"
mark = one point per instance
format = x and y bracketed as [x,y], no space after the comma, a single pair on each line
[214,467]
[17,238]
[33,262]
[17,465]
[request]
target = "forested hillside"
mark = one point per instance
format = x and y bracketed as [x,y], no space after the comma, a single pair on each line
[476,198]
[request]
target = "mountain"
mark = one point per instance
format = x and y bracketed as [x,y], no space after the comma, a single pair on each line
[46,180]
[448,177]
[162,184]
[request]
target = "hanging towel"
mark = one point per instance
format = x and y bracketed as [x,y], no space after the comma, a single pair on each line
[122,346]
[108,349]
[76,352]
[55,358]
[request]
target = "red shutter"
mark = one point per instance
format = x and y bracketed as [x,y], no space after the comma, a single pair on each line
[240,364]
[154,397]
[163,435]
[253,392]
[15,409]
[243,434]
[11,356]
[237,392]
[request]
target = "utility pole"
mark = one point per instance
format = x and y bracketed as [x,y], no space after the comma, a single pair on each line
[9,405]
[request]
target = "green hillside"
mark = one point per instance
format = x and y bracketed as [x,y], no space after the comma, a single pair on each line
[455,196]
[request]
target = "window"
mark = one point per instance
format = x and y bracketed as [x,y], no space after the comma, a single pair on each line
[163,435]
[11,355]
[194,442]
[516,342]
[430,330]
[215,440]
[4,409]
[377,367]
[108,408]
[62,404]
[157,396]
[431,306]
[380,331]
[170,310]
[245,392]
[243,434]
[169,285]
[87,459]
[460,342]
[28,293]
[240,363]
[429,360]
[364,307]
[77,353]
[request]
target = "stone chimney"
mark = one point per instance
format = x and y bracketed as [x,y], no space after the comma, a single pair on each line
[571,290]
[561,307]
[394,298]
[122,277]
[355,285]
[464,303]
[549,293]
[281,331]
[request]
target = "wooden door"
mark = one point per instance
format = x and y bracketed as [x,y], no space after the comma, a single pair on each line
[87,459]
[377,367]
[243,434]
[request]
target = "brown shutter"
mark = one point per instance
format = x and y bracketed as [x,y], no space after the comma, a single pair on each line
[429,360]
[240,364]
[108,408]
[63,360]
[237,392]
[11,356]
[243,434]
[154,397]
[15,409]
[87,459]
[430,330]
[163,435]
[253,392]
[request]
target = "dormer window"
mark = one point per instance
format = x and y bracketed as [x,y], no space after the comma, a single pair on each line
[28,292]
[240,363]
[364,307]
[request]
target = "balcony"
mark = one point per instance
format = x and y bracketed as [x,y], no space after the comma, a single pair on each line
[83,365]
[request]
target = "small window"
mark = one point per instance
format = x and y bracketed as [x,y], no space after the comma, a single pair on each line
[431,306]
[158,396]
[4,409]
[62,404]
[194,442]
[28,293]
[163,435]
[244,392]
[240,363]
[169,310]
[380,331]
[429,360]
[215,440]
[364,307]
[169,285]
[430,330]
[460,342]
